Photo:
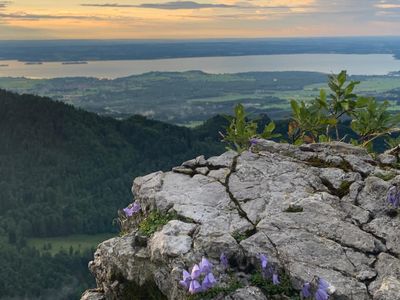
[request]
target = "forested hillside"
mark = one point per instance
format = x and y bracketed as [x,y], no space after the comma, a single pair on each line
[66,171]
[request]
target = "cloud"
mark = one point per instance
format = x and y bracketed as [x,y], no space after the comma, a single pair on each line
[108,5]
[383,4]
[4,4]
[28,16]
[388,6]
[175,5]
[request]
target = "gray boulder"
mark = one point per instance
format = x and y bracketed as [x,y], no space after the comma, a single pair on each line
[315,211]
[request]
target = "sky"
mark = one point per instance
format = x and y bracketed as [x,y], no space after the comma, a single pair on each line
[171,19]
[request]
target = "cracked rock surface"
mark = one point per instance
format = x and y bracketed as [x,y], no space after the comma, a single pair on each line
[342,230]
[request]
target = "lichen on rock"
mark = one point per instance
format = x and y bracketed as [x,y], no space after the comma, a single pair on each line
[242,205]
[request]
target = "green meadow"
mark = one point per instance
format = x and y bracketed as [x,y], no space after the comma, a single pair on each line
[80,243]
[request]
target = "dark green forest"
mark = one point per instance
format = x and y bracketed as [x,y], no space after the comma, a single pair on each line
[65,171]
[27,274]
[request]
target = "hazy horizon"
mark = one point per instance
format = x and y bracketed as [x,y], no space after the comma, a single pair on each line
[202,39]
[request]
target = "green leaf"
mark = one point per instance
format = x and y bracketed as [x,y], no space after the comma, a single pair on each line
[341,78]
[295,106]
[323,138]
[267,133]
[330,121]
[362,102]
[271,127]
[345,106]
[322,95]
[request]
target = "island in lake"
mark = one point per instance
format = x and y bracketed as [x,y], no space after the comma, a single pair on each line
[75,63]
[33,63]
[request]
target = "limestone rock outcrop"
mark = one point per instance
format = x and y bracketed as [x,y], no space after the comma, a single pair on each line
[315,210]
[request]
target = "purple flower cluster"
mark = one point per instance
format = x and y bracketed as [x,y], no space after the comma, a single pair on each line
[268,271]
[320,294]
[132,209]
[393,197]
[191,281]
[321,290]
[202,279]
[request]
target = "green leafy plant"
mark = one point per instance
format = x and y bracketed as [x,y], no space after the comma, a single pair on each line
[308,121]
[373,121]
[314,122]
[342,99]
[154,221]
[268,132]
[241,130]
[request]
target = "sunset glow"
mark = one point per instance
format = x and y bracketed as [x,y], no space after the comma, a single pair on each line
[154,19]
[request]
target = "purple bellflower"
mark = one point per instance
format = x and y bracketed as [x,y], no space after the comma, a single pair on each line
[306,290]
[189,281]
[264,261]
[393,197]
[132,209]
[321,294]
[195,272]
[205,266]
[266,270]
[322,291]
[253,141]
[224,260]
[275,279]
[128,211]
[185,282]
[194,287]
[323,284]
[208,282]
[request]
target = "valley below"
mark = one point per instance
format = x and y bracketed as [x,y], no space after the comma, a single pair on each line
[189,98]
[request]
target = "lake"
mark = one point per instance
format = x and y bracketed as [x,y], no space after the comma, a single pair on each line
[355,64]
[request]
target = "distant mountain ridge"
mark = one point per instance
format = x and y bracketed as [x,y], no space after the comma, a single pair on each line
[81,50]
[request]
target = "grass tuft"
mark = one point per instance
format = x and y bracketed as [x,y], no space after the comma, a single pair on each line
[285,287]
[156,220]
[218,291]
